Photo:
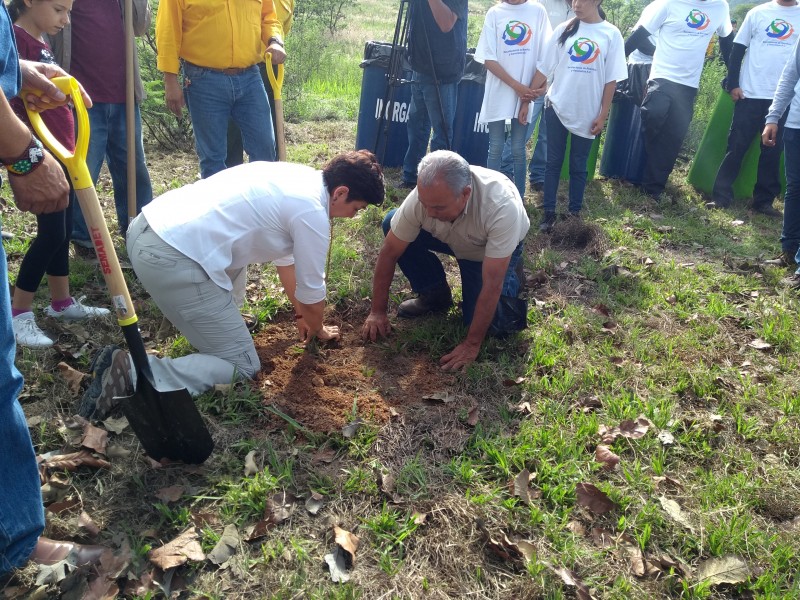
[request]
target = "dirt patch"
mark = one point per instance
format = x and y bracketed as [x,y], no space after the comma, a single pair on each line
[325,389]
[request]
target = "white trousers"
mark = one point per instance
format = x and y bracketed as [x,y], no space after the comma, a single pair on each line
[207,315]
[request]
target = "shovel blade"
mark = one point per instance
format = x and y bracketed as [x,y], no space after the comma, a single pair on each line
[167,424]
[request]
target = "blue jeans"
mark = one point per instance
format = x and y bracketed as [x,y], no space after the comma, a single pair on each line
[425,272]
[425,113]
[108,142]
[539,158]
[21,512]
[580,147]
[790,235]
[497,142]
[214,98]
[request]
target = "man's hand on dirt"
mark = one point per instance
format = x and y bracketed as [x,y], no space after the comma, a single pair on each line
[377,325]
[327,333]
[462,355]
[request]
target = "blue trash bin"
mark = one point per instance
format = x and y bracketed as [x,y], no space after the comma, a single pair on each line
[389,145]
[471,138]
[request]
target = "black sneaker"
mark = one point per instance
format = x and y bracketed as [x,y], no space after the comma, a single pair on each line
[438,300]
[767,210]
[111,378]
[547,223]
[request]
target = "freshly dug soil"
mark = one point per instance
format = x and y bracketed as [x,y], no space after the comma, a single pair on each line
[322,390]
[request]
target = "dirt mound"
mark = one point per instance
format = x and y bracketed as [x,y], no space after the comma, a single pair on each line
[325,389]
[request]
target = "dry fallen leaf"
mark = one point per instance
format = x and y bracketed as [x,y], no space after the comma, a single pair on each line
[116,425]
[674,510]
[169,494]
[724,569]
[86,523]
[323,455]
[250,466]
[635,555]
[627,428]
[473,416]
[72,461]
[591,497]
[94,438]
[314,503]
[349,431]
[71,376]
[442,397]
[521,487]
[279,507]
[225,547]
[570,578]
[606,457]
[513,382]
[759,344]
[179,551]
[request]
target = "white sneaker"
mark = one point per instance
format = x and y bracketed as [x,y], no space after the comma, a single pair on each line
[27,332]
[77,311]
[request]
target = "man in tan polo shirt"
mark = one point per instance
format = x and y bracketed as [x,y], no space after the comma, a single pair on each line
[469,212]
[217,46]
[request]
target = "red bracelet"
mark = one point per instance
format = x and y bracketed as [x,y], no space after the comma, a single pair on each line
[298,317]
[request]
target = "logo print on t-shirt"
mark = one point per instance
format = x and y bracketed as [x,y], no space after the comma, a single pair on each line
[698,20]
[584,51]
[779,29]
[517,33]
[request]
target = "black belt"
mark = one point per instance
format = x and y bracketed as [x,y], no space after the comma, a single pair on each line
[231,71]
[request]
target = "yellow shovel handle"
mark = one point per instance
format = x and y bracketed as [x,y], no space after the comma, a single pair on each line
[276,83]
[74,161]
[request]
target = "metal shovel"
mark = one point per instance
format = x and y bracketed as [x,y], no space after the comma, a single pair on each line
[168,424]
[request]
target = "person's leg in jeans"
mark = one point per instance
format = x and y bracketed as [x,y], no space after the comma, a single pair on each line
[497,143]
[517,139]
[538,162]
[21,512]
[209,98]
[252,114]
[579,150]
[95,155]
[419,264]
[768,179]
[790,235]
[419,131]
[441,106]
[556,148]
[666,114]
[203,312]
[534,114]
[472,282]
[235,154]
[117,158]
[747,122]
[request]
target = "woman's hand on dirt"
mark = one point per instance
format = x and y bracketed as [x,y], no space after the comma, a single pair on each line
[377,325]
[327,333]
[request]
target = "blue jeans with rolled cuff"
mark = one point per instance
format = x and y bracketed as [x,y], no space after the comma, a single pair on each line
[580,147]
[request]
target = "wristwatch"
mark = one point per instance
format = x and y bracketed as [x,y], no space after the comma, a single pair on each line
[275,40]
[28,161]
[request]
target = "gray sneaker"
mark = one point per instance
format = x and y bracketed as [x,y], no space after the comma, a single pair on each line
[111,378]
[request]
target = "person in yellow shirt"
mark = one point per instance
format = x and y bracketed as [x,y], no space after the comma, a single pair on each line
[217,46]
[284,9]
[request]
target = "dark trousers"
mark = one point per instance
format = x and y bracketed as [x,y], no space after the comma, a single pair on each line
[790,236]
[666,113]
[580,148]
[748,122]
[49,251]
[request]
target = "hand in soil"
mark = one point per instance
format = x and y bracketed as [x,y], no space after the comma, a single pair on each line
[375,326]
[460,357]
[327,333]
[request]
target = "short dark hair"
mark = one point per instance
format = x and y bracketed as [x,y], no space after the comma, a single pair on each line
[360,171]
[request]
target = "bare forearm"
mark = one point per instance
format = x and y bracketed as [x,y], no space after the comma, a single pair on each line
[289,282]
[444,17]
[16,134]
[485,308]
[381,282]
[608,96]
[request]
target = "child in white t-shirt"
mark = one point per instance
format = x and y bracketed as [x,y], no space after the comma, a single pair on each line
[585,58]
[511,43]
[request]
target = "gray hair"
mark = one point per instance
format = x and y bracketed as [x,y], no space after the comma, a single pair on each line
[445,166]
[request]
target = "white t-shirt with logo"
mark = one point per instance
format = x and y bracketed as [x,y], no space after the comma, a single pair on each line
[684,29]
[589,59]
[514,35]
[637,57]
[770,32]
[558,11]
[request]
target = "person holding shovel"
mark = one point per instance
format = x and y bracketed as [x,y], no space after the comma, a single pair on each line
[40,189]
[189,246]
